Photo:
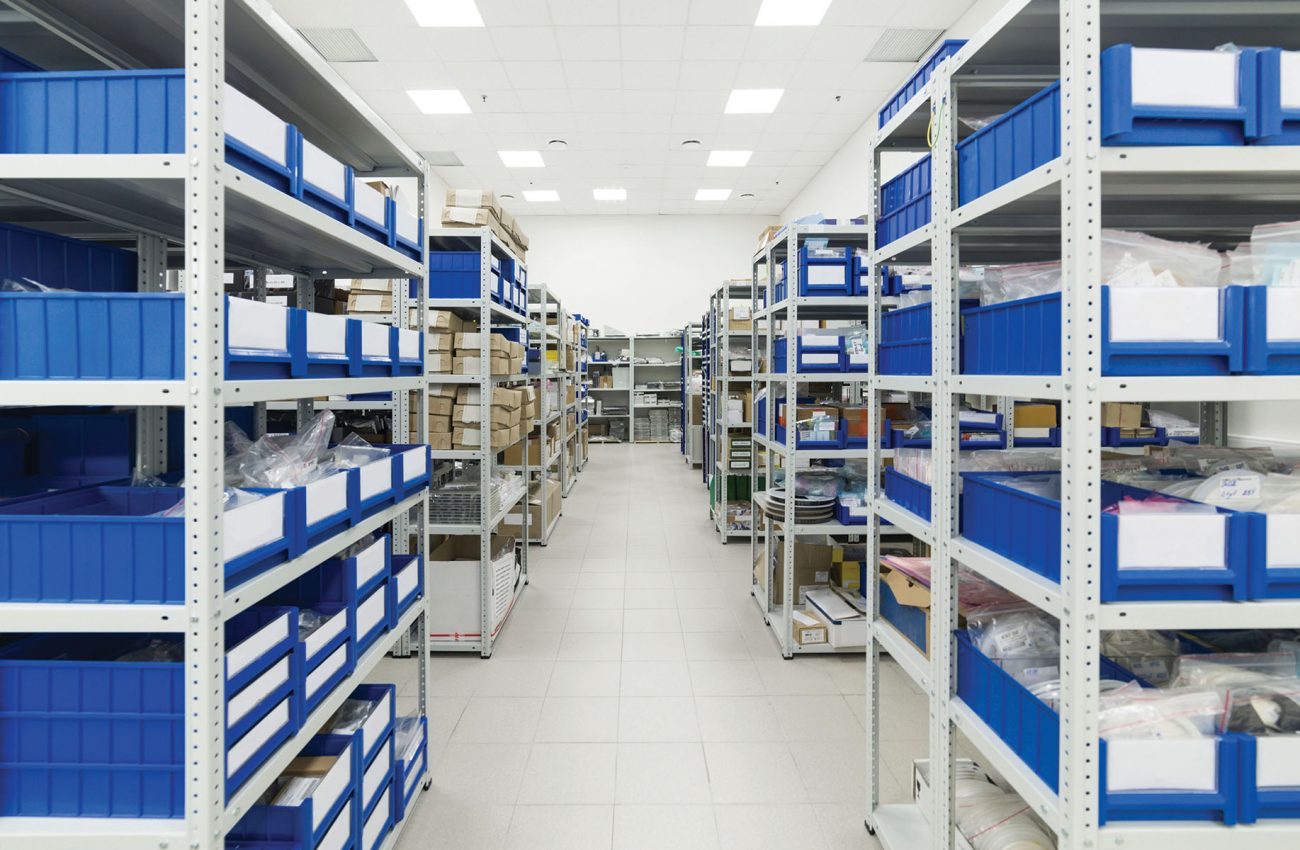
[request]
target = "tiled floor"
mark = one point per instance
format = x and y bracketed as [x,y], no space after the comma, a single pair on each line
[636,700]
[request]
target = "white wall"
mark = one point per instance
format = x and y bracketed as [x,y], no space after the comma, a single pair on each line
[639,273]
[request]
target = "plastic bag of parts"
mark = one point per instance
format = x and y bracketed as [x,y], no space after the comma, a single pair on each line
[232,498]
[856,340]
[309,621]
[1138,259]
[406,731]
[1022,639]
[1225,669]
[1242,491]
[1156,503]
[1136,712]
[1207,460]
[349,717]
[994,819]
[290,790]
[1149,655]
[27,285]
[1047,485]
[1011,460]
[279,461]
[157,651]
[914,297]
[357,548]
[1024,280]
[1049,690]
[1264,709]
[1275,254]
[817,483]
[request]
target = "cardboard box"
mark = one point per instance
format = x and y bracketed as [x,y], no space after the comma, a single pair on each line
[472,438]
[478,217]
[549,492]
[1116,414]
[740,318]
[812,566]
[514,455]
[443,321]
[468,364]
[454,569]
[439,342]
[370,302]
[471,342]
[471,414]
[808,630]
[571,395]
[506,397]
[1037,415]
[440,442]
[311,765]
[473,198]
[444,390]
[439,362]
[768,234]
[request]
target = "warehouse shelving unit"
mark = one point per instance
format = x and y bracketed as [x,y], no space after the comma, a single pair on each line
[224,219]
[488,315]
[582,380]
[708,329]
[692,356]
[663,347]
[1057,210]
[767,313]
[543,304]
[726,473]
[618,373]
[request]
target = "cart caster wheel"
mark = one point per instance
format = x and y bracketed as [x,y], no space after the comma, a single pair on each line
[870,830]
[428,783]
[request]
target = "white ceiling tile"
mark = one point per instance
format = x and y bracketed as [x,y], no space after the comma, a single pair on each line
[873,76]
[335,13]
[697,126]
[764,75]
[545,100]
[557,123]
[587,123]
[583,12]
[632,122]
[607,102]
[472,77]
[859,12]
[642,13]
[394,43]
[776,44]
[653,43]
[461,43]
[698,75]
[800,157]
[659,102]
[537,75]
[932,13]
[588,43]
[594,75]
[650,75]
[807,102]
[498,13]
[824,141]
[498,100]
[525,43]
[746,126]
[765,159]
[726,12]
[380,76]
[691,102]
[705,43]
[391,102]
[820,75]
[842,43]
[465,143]
[426,140]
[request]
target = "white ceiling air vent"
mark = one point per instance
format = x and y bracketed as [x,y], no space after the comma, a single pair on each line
[443,158]
[338,45]
[902,45]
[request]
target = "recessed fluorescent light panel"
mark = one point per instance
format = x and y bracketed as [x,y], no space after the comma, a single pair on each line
[791,13]
[730,159]
[439,101]
[445,13]
[521,159]
[753,101]
[712,194]
[541,196]
[609,194]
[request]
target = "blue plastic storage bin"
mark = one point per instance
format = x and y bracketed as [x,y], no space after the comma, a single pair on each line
[375,778]
[412,764]
[375,827]
[852,514]
[1279,115]
[905,347]
[372,211]
[1277,353]
[454,274]
[916,83]
[1027,136]
[1026,528]
[1023,337]
[1131,111]
[1110,437]
[910,621]
[825,272]
[327,655]
[907,197]
[405,586]
[260,144]
[85,735]
[908,493]
[1031,728]
[325,819]
[1264,800]
[324,183]
[104,544]
[408,233]
[63,263]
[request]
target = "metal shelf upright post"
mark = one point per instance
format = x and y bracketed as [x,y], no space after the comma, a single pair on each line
[722,430]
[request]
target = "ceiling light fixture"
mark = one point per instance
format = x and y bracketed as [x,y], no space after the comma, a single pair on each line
[521,159]
[729,159]
[445,13]
[609,194]
[791,13]
[712,194]
[439,101]
[753,101]
[557,144]
[691,143]
[541,196]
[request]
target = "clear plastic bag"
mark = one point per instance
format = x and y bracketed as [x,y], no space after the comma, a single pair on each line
[280,461]
[28,285]
[1138,259]
[817,483]
[1224,669]
[293,790]
[1275,254]
[1264,709]
[406,735]
[1000,821]
[1149,655]
[1024,280]
[1136,712]
[349,717]
[231,498]
[1022,639]
[914,297]
[157,651]
[309,621]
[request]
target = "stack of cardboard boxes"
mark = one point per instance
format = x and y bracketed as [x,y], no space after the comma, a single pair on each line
[455,416]
[329,299]
[370,298]
[545,491]
[442,402]
[505,357]
[479,208]
[1036,421]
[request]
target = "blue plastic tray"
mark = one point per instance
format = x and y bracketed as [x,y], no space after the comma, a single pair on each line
[1032,730]
[1023,337]
[1111,438]
[1026,528]
[910,184]
[405,586]
[1278,125]
[825,276]
[1024,138]
[1281,357]
[324,819]
[911,622]
[911,215]
[410,772]
[918,80]
[905,347]
[1124,122]
[908,493]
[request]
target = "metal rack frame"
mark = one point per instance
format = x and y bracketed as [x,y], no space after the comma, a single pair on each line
[719,431]
[1059,210]
[222,218]
[543,303]
[650,368]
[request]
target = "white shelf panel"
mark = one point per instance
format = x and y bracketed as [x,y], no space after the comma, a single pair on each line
[904,383]
[474,305]
[901,826]
[1025,583]
[904,519]
[1202,388]
[914,664]
[172,393]
[910,242]
[1015,386]
[810,377]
